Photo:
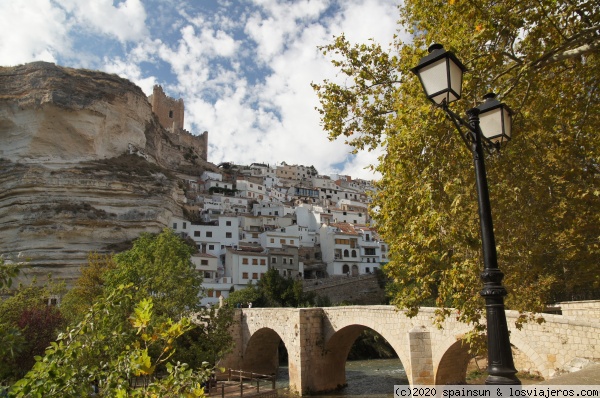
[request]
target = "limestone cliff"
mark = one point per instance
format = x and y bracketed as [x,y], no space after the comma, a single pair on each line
[69,183]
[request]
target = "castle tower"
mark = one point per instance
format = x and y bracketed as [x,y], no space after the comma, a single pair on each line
[170,111]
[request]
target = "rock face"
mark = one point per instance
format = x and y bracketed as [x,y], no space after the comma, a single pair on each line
[84,166]
[49,113]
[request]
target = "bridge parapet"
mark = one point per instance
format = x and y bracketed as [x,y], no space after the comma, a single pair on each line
[587,309]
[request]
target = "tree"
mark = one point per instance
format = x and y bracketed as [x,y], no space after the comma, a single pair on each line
[88,287]
[160,266]
[273,290]
[62,372]
[541,57]
[27,326]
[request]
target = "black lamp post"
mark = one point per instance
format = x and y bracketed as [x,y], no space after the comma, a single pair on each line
[489,124]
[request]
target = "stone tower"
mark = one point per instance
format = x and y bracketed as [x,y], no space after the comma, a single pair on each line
[170,111]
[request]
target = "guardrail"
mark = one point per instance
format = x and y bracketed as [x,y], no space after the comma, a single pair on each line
[239,383]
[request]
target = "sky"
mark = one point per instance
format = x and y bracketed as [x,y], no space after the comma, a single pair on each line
[243,68]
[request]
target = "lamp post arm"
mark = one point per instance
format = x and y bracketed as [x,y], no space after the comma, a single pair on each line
[459,122]
[468,137]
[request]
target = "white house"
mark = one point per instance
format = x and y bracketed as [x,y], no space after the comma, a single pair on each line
[244,266]
[346,216]
[271,209]
[212,237]
[251,190]
[350,250]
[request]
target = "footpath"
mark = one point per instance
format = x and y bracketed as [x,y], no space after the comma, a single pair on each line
[590,375]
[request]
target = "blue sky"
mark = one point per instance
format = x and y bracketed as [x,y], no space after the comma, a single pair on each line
[243,68]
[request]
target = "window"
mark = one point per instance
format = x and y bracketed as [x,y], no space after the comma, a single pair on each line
[285,260]
[291,261]
[254,262]
[292,241]
[211,247]
[228,223]
[244,261]
[203,262]
[272,240]
[174,225]
[171,114]
[368,270]
[262,274]
[346,253]
[342,241]
[353,253]
[184,225]
[254,275]
[218,293]
[228,234]
[207,275]
[282,241]
[196,233]
[209,293]
[369,251]
[245,275]
[209,234]
[273,260]
[263,261]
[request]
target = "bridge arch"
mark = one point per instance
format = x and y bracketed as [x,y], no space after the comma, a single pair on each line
[335,354]
[261,352]
[451,363]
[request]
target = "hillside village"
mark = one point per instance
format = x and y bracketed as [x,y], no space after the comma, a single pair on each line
[246,219]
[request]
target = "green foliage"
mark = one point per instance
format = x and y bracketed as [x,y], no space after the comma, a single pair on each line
[65,369]
[88,287]
[160,266]
[7,273]
[272,290]
[27,326]
[241,298]
[210,340]
[541,57]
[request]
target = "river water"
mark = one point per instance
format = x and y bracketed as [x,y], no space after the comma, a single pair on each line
[366,378]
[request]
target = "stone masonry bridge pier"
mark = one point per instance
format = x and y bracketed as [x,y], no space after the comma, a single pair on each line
[318,341]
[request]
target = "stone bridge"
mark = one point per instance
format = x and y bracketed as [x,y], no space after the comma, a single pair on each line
[318,341]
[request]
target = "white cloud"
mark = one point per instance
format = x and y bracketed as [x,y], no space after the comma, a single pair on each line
[34,30]
[126,21]
[130,71]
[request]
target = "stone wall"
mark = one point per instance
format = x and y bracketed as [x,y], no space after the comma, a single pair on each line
[171,113]
[362,290]
[585,309]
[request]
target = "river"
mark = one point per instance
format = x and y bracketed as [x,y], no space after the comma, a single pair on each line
[366,378]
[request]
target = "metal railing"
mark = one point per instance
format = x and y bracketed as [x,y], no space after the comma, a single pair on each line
[240,383]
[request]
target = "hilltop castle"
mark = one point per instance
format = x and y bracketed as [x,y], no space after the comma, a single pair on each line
[171,113]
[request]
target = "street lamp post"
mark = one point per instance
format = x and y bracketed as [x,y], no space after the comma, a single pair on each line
[488,125]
